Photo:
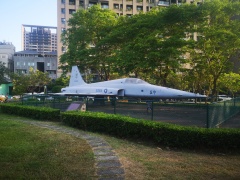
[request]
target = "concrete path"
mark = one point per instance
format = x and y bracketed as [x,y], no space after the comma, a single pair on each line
[108,166]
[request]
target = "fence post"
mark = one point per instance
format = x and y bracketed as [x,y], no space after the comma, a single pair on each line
[224,112]
[87,104]
[114,104]
[152,110]
[54,101]
[207,116]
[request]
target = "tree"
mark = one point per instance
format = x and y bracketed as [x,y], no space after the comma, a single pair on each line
[229,83]
[3,72]
[37,80]
[20,83]
[152,44]
[86,29]
[218,40]
[32,82]
[56,85]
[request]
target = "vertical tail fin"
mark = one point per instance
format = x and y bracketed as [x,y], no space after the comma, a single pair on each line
[76,78]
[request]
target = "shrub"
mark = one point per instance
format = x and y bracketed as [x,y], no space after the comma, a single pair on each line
[126,127]
[162,133]
[57,89]
[41,113]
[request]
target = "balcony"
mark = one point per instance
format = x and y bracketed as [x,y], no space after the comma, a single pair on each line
[163,3]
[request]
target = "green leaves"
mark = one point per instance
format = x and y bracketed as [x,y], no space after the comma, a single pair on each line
[217,41]
[3,72]
[86,29]
[31,82]
[157,45]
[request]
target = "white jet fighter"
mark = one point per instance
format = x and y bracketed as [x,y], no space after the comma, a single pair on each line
[126,87]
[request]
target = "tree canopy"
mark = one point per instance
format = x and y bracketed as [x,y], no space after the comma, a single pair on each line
[187,46]
[3,72]
[32,82]
[87,28]
[218,39]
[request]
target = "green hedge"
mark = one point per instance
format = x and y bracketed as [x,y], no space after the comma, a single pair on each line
[161,133]
[126,127]
[40,113]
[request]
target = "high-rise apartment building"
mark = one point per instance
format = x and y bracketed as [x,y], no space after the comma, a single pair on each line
[41,39]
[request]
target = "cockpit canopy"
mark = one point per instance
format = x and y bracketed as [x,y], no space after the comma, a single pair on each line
[134,81]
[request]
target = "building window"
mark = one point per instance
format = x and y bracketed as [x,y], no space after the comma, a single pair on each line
[129,7]
[150,1]
[63,20]
[63,1]
[121,6]
[63,10]
[63,30]
[71,11]
[163,3]
[18,63]
[48,64]
[116,6]
[72,2]
[104,5]
[63,49]
[139,8]
[91,4]
[21,71]
[81,3]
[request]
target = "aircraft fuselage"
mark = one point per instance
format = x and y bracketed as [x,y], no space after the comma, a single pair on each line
[129,87]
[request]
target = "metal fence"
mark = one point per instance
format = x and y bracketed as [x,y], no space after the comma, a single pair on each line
[177,112]
[217,113]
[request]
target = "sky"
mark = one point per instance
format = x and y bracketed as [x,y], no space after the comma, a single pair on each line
[14,13]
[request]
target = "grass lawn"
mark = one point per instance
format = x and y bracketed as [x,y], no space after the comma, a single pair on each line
[29,152]
[145,161]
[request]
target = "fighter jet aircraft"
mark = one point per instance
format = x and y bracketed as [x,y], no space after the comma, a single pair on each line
[126,87]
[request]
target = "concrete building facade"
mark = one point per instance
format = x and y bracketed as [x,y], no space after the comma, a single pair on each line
[42,39]
[47,62]
[7,50]
[39,44]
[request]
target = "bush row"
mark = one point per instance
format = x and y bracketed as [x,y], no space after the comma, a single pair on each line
[161,133]
[40,113]
[126,127]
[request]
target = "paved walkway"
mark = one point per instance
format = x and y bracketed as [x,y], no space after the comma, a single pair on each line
[107,162]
